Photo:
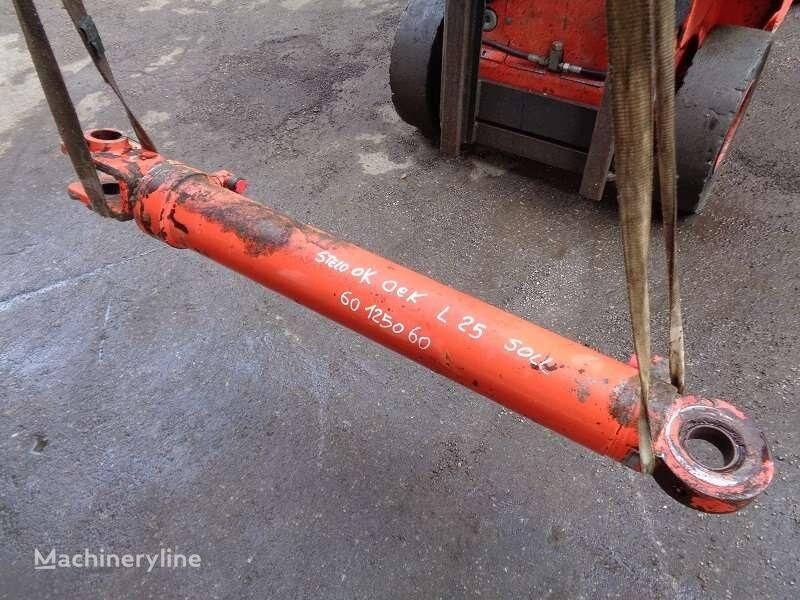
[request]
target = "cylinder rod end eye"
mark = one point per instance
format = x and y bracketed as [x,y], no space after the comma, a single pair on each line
[712,457]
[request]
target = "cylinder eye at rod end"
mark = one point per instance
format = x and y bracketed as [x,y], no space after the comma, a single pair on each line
[712,457]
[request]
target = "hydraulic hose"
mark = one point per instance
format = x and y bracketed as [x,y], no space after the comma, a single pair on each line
[514,52]
[563,67]
[593,73]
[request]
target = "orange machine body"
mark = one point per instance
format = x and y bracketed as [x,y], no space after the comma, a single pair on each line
[533,25]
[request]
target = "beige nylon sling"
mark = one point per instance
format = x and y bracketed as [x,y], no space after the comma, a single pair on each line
[641,42]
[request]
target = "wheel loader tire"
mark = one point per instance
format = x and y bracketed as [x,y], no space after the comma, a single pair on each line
[416,65]
[710,105]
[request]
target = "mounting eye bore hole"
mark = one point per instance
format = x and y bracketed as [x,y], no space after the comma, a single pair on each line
[106,135]
[712,447]
[111,188]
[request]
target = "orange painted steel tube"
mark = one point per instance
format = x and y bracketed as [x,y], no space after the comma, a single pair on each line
[563,385]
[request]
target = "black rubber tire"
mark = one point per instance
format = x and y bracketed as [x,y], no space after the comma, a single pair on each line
[710,104]
[682,8]
[416,65]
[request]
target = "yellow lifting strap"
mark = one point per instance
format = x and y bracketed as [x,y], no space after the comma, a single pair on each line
[641,44]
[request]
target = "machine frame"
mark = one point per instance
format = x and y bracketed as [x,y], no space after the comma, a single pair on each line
[493,98]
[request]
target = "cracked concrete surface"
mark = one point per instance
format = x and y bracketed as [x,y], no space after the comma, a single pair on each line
[149,398]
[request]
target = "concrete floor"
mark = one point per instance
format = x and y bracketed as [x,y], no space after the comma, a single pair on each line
[178,405]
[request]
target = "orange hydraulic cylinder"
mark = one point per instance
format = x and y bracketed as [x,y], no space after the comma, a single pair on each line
[561,384]
[582,394]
